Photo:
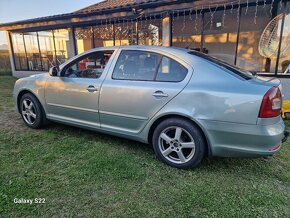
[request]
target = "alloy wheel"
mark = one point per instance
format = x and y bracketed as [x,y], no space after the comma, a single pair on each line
[176,145]
[28,111]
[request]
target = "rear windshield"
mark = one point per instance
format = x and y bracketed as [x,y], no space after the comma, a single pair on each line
[235,70]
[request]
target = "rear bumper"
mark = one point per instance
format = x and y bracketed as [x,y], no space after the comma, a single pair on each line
[242,140]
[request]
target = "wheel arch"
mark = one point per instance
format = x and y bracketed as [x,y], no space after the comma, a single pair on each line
[23,92]
[194,122]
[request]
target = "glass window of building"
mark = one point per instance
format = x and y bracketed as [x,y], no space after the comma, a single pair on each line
[103,35]
[220,34]
[150,32]
[62,45]
[125,33]
[32,51]
[186,31]
[46,46]
[19,52]
[251,28]
[284,58]
[84,39]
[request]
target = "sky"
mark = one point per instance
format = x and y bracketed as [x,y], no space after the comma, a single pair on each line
[16,10]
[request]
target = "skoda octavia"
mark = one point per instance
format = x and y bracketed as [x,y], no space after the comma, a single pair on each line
[186,104]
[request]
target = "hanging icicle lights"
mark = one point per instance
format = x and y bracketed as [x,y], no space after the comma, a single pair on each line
[193,13]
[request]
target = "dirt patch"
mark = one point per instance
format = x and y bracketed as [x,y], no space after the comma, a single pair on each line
[11,120]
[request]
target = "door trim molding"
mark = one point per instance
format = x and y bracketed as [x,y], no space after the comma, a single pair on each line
[123,115]
[73,107]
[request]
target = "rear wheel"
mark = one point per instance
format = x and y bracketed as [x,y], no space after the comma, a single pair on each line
[31,111]
[178,143]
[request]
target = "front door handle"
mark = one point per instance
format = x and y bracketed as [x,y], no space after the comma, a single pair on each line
[160,94]
[92,88]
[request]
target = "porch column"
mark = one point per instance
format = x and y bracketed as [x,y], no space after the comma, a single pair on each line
[166,31]
[72,43]
[10,49]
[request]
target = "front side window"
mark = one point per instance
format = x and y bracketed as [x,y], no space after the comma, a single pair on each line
[89,66]
[148,66]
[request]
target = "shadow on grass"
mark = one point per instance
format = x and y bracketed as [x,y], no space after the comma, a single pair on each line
[96,136]
[208,164]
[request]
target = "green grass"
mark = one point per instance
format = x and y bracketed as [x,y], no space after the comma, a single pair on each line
[5,72]
[83,173]
[6,86]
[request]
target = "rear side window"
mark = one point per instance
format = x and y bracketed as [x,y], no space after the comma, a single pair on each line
[148,66]
[136,65]
[170,71]
[233,69]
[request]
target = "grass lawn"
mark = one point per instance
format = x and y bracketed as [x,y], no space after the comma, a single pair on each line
[83,173]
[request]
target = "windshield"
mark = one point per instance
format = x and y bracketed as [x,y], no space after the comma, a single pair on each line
[233,69]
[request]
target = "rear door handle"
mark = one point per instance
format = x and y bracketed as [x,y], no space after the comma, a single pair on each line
[92,88]
[160,94]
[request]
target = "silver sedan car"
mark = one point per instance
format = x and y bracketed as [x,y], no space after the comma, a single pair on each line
[186,104]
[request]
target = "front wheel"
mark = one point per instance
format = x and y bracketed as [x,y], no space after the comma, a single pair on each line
[178,143]
[31,111]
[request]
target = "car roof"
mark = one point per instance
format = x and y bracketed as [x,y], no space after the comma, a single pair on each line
[178,52]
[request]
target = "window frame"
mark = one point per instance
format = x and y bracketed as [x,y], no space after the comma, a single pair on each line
[78,58]
[156,71]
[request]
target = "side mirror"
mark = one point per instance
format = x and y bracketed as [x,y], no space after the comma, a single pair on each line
[53,71]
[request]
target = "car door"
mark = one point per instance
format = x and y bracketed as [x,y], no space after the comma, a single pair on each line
[139,84]
[73,97]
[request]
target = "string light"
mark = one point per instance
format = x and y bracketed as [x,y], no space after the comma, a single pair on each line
[190,13]
[224,15]
[183,27]
[247,7]
[196,17]
[142,21]
[211,16]
[281,4]
[238,11]
[145,20]
[256,11]
[271,8]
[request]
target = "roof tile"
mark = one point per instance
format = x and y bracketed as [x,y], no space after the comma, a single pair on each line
[107,4]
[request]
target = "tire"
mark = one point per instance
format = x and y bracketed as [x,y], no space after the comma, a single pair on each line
[32,112]
[179,143]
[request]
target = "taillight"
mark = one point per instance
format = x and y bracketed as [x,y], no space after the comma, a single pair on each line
[271,104]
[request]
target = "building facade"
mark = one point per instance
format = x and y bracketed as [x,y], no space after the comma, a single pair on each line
[251,34]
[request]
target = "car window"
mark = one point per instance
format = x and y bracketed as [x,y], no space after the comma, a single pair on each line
[233,69]
[136,65]
[170,71]
[89,66]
